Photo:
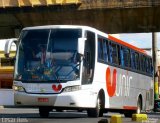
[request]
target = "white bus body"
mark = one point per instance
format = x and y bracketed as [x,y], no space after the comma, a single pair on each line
[90,80]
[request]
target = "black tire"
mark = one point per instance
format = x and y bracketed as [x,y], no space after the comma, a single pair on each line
[98,110]
[44,112]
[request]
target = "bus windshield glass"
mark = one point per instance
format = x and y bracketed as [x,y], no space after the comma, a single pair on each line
[48,55]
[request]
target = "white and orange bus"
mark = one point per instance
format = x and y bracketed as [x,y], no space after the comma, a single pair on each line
[79,67]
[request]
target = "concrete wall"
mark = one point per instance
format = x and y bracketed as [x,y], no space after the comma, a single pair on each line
[118,3]
[111,16]
[85,4]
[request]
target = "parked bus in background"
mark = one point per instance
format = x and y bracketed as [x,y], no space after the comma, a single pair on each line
[79,67]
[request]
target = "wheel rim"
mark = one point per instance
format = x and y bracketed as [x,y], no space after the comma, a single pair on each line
[99,105]
[138,110]
[139,107]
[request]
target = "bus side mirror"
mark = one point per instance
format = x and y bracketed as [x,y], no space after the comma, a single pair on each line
[81,45]
[8,45]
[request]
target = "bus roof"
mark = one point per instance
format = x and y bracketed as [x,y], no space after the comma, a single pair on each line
[56,26]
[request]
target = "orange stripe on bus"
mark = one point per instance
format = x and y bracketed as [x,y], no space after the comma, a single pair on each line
[126,44]
[130,107]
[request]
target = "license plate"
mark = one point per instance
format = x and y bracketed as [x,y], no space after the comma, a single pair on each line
[43,100]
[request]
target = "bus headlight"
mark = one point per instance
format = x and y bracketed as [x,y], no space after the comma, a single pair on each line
[72,88]
[18,88]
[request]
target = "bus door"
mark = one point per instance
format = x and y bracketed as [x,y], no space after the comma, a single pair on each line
[88,59]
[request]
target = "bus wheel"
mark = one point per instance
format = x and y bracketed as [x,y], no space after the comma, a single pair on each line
[97,111]
[137,111]
[44,112]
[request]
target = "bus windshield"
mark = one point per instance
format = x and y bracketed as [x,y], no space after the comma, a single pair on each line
[48,55]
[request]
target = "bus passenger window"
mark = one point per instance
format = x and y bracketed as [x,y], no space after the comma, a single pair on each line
[151,66]
[147,65]
[100,49]
[126,57]
[143,67]
[113,53]
[119,54]
[133,60]
[121,57]
[105,50]
[87,62]
[141,63]
[137,61]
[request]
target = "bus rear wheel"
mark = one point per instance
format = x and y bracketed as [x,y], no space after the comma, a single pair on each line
[137,111]
[139,106]
[98,110]
[44,112]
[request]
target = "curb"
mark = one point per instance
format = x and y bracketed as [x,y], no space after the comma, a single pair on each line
[139,117]
[116,119]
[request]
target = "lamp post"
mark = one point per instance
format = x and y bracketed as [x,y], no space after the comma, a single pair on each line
[155,67]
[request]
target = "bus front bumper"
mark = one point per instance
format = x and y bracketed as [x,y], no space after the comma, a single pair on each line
[81,98]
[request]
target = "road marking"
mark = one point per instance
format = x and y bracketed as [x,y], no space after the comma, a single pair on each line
[139,117]
[116,119]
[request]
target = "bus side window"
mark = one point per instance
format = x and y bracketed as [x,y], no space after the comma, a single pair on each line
[151,64]
[133,60]
[110,53]
[119,54]
[141,63]
[113,53]
[126,56]
[143,67]
[137,61]
[100,49]
[147,65]
[121,57]
[88,62]
[105,50]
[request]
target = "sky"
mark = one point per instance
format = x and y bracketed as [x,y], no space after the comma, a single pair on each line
[141,40]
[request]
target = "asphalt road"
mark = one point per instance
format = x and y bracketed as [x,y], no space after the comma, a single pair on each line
[29,115]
